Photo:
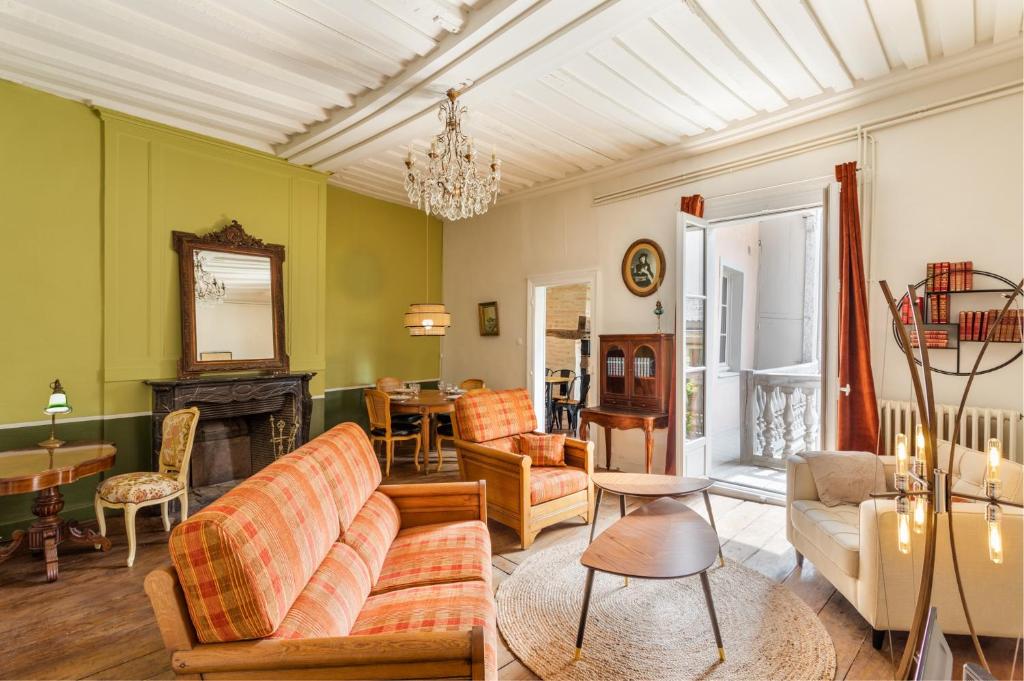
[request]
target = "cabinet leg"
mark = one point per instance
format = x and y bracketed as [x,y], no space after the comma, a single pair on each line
[608,448]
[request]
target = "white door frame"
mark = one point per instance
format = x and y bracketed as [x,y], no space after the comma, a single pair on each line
[536,327]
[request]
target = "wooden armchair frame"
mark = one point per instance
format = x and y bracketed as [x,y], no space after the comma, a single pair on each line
[424,655]
[508,481]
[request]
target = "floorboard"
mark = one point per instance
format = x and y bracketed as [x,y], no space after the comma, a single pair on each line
[95,621]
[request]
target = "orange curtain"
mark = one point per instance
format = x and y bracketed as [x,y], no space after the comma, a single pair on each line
[694,205]
[857,426]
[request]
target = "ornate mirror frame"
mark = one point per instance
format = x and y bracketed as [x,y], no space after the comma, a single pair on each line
[232,238]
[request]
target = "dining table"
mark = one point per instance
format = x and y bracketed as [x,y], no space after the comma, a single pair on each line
[428,404]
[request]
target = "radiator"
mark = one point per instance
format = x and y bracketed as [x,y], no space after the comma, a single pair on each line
[977,426]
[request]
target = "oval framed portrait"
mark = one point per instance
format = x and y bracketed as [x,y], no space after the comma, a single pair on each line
[643,267]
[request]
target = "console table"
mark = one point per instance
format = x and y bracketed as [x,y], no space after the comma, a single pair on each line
[36,470]
[623,418]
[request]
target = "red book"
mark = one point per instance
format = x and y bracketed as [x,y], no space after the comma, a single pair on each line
[954,284]
[961,325]
[929,284]
[970,276]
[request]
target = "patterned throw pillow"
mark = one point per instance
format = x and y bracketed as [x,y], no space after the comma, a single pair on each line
[543,450]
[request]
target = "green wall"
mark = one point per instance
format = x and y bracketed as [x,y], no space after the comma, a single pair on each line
[380,258]
[88,199]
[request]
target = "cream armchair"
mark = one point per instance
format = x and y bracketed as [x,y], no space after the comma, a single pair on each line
[855,549]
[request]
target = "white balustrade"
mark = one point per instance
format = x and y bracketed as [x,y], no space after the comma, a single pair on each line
[780,413]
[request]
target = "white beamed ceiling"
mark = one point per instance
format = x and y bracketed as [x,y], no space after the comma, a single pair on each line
[558,87]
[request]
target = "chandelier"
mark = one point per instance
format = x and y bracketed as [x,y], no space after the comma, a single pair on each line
[208,289]
[450,186]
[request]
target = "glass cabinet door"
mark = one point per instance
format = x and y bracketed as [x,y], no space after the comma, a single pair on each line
[645,372]
[615,370]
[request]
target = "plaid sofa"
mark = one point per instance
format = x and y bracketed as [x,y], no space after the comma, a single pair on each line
[310,549]
[527,498]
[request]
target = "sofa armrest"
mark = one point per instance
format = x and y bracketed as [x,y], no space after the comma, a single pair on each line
[507,475]
[436,502]
[382,656]
[799,481]
[580,454]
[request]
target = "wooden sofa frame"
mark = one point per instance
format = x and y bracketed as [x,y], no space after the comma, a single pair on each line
[508,481]
[425,655]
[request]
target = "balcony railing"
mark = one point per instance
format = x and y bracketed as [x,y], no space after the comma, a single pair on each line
[780,413]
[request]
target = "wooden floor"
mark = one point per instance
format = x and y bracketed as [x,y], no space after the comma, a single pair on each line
[95,621]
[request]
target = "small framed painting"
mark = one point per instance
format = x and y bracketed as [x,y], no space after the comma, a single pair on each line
[643,267]
[489,318]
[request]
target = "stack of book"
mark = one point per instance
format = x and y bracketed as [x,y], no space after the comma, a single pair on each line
[938,308]
[907,312]
[975,325]
[932,339]
[950,276]
[616,366]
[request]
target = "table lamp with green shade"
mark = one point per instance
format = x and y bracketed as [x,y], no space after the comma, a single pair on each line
[57,404]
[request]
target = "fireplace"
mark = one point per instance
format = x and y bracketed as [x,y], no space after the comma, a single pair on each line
[234,438]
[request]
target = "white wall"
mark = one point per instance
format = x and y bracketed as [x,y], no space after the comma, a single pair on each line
[780,283]
[948,187]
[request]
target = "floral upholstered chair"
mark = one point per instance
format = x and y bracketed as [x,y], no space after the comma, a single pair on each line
[132,491]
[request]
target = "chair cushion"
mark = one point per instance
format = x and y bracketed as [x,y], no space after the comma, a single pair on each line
[432,554]
[543,450]
[349,463]
[332,599]
[135,488]
[372,531]
[833,529]
[437,607]
[244,559]
[491,414]
[177,433]
[506,444]
[406,418]
[398,428]
[555,482]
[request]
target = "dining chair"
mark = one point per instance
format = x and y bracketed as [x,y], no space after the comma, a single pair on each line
[573,406]
[445,430]
[384,429]
[390,384]
[132,491]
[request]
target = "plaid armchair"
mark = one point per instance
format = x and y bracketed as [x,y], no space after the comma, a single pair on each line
[525,497]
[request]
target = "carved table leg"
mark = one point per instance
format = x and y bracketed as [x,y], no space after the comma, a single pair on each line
[649,445]
[12,546]
[50,530]
[608,447]
[50,553]
[83,536]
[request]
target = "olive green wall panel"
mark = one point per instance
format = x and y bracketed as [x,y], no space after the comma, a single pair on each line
[157,180]
[380,258]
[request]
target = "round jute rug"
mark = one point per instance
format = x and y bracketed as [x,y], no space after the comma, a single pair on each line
[658,629]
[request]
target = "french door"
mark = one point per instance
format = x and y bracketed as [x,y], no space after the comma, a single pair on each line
[691,345]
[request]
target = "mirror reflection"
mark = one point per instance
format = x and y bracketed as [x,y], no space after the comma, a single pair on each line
[234,316]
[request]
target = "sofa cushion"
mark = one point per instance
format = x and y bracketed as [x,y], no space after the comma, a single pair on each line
[835,530]
[438,607]
[969,468]
[543,449]
[508,444]
[547,483]
[485,415]
[351,467]
[431,554]
[332,599]
[243,560]
[372,531]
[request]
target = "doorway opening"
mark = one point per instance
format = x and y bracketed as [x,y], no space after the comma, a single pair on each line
[560,365]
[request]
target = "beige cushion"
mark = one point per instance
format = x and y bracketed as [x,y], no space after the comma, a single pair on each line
[135,488]
[835,530]
[845,477]
[968,474]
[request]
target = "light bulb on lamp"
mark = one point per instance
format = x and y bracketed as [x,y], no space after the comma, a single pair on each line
[903,525]
[902,463]
[993,516]
[920,513]
[993,459]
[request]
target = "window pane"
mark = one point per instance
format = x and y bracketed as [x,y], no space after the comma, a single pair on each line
[694,269]
[694,323]
[694,405]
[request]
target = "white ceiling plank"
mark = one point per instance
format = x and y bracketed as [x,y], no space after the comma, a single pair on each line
[32,25]
[901,30]
[87,67]
[984,20]
[746,28]
[623,90]
[539,115]
[1008,16]
[141,100]
[480,26]
[367,24]
[419,15]
[130,109]
[800,30]
[649,45]
[521,150]
[956,26]
[852,31]
[541,137]
[708,48]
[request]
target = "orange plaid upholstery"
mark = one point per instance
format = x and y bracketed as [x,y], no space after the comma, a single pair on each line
[485,415]
[555,482]
[345,454]
[372,531]
[543,450]
[438,607]
[330,603]
[431,554]
[243,560]
[506,444]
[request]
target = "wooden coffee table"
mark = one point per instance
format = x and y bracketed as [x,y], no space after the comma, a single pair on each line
[650,486]
[664,539]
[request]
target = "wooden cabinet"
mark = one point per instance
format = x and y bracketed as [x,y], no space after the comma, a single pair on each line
[636,370]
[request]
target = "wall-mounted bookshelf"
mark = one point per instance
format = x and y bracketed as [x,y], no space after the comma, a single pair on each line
[958,317]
